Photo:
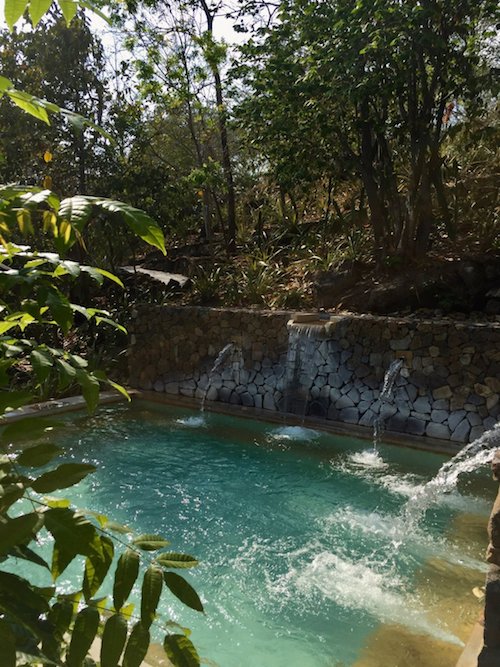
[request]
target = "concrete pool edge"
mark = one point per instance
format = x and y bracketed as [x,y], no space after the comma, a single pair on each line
[57,406]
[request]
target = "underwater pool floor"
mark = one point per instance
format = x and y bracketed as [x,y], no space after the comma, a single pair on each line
[306,557]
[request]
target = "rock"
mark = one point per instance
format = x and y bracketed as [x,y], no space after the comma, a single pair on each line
[258,401]
[247,400]
[367,419]
[455,418]
[159,385]
[440,431]
[474,419]
[334,380]
[422,404]
[476,432]
[461,432]
[225,394]
[415,426]
[235,399]
[442,392]
[333,413]
[397,423]
[269,403]
[212,393]
[353,394]
[400,344]
[439,416]
[441,404]
[344,402]
[349,415]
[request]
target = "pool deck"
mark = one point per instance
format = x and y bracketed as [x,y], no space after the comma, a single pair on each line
[472,648]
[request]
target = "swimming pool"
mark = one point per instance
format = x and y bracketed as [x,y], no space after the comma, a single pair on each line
[306,560]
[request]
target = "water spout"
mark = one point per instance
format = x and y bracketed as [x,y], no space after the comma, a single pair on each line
[386,398]
[230,354]
[470,458]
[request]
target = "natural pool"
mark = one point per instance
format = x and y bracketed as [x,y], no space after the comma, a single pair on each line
[305,558]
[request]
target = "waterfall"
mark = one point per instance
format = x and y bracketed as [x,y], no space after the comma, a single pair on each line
[299,368]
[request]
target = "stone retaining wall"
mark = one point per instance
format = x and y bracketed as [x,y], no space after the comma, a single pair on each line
[449,387]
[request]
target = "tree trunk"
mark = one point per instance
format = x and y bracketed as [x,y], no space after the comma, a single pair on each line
[226,154]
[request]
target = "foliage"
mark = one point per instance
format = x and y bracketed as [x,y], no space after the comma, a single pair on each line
[64,64]
[40,624]
[369,89]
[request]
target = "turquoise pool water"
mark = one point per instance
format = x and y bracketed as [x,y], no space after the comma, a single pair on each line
[302,546]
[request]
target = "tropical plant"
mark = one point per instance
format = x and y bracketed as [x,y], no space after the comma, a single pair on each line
[41,625]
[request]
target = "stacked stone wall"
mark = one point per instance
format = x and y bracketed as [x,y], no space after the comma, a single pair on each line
[449,387]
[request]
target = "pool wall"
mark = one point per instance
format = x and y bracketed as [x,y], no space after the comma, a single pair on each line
[449,388]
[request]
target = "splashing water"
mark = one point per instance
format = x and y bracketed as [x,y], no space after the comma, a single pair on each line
[192,422]
[386,397]
[470,458]
[294,433]
[230,353]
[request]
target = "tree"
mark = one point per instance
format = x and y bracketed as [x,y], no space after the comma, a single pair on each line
[370,88]
[179,63]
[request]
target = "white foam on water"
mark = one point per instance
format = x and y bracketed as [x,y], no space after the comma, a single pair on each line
[192,422]
[358,586]
[368,458]
[294,433]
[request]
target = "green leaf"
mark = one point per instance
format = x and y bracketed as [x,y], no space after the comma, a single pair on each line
[90,388]
[119,388]
[68,8]
[113,640]
[150,542]
[97,566]
[108,320]
[92,270]
[65,475]
[17,589]
[182,590]
[13,11]
[10,400]
[39,455]
[150,594]
[126,574]
[8,644]
[181,651]
[66,373]
[28,103]
[176,560]
[28,429]
[25,553]
[18,531]
[138,221]
[60,616]
[84,632]
[9,494]
[5,84]
[37,9]
[60,308]
[118,528]
[76,210]
[137,646]
[73,534]
[5,326]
